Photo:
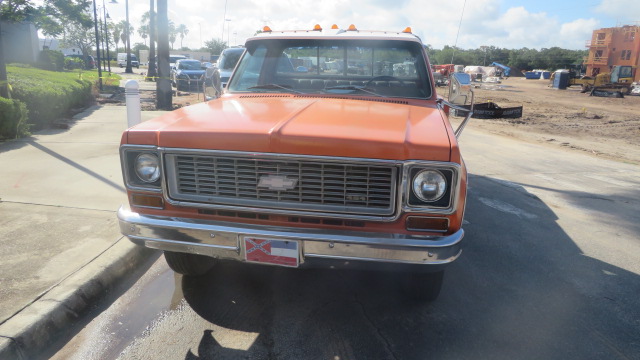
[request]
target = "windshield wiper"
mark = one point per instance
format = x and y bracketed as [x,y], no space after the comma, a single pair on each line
[275,86]
[354,88]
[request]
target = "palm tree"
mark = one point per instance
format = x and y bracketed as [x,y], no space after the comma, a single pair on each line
[123,31]
[173,34]
[143,31]
[117,31]
[183,31]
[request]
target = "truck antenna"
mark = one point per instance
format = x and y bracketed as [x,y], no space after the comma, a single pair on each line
[459,25]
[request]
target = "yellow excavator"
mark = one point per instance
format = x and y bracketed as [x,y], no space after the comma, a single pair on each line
[619,79]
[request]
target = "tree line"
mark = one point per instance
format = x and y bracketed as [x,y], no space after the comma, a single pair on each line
[521,59]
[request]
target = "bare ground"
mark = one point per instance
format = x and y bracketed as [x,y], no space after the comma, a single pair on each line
[603,127]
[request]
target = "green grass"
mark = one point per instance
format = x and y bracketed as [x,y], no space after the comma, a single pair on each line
[112,80]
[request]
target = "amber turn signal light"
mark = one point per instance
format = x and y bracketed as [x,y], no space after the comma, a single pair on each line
[419,223]
[147,201]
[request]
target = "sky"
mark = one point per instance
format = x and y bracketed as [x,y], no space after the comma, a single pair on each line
[509,24]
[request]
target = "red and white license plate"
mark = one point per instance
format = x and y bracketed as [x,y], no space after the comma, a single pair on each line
[271,251]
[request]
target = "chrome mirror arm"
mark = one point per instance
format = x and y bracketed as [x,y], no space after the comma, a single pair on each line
[442,102]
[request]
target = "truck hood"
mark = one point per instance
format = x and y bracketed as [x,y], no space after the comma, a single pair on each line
[361,128]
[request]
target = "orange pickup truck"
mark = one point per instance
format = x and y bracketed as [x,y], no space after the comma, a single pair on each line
[327,148]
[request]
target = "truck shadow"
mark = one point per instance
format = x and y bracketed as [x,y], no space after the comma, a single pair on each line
[521,289]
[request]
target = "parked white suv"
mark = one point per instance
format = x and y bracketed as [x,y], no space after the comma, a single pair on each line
[122,60]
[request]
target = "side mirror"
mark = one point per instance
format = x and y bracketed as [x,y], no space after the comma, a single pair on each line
[460,98]
[460,88]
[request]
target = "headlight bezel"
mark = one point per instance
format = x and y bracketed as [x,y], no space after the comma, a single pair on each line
[128,157]
[447,204]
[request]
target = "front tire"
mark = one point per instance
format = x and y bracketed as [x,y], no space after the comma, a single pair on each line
[189,264]
[423,287]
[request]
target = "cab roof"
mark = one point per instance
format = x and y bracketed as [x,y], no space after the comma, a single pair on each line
[334,33]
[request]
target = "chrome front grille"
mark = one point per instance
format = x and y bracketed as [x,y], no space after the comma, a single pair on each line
[282,182]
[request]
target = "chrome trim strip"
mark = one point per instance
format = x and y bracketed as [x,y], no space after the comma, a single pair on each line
[246,154]
[223,240]
[437,262]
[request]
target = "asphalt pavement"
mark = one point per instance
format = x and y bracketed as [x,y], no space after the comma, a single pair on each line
[60,243]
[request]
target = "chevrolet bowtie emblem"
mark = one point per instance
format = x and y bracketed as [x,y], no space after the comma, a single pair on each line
[277,182]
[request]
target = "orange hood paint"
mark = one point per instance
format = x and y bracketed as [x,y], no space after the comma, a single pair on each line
[302,125]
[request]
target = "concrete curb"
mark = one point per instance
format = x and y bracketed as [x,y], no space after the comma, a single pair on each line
[26,335]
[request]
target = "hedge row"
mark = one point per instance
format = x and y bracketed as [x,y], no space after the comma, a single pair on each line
[13,119]
[48,95]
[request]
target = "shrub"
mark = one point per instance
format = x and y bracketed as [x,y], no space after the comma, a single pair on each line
[13,119]
[48,95]
[51,60]
[71,63]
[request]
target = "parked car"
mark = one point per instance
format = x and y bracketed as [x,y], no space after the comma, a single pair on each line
[217,76]
[173,59]
[89,62]
[187,73]
[323,168]
[122,60]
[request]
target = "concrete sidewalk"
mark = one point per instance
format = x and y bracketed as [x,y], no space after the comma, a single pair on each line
[60,244]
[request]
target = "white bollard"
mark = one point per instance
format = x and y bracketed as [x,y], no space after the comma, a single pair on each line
[132,96]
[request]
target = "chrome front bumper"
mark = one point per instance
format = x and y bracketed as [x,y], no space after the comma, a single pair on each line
[224,240]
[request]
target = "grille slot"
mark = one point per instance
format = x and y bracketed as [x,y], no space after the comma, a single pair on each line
[283,183]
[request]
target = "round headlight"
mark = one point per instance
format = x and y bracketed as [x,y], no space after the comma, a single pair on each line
[429,185]
[147,167]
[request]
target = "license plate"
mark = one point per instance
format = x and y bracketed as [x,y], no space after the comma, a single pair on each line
[271,251]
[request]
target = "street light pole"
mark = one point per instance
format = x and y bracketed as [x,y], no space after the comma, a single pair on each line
[152,72]
[224,21]
[128,69]
[106,34]
[228,31]
[95,26]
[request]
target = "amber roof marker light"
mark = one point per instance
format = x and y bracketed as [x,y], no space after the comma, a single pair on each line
[334,27]
[266,29]
[352,28]
[317,27]
[407,30]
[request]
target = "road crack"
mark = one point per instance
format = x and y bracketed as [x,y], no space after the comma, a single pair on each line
[387,344]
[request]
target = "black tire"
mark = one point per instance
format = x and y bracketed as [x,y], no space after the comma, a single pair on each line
[423,287]
[189,264]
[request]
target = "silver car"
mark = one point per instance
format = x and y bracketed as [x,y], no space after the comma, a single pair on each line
[217,76]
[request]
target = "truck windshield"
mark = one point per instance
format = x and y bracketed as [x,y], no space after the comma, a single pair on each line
[386,68]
